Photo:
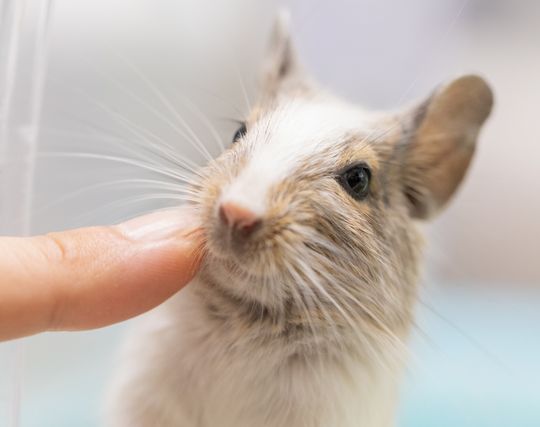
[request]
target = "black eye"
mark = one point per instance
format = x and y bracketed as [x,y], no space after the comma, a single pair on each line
[355,180]
[239,134]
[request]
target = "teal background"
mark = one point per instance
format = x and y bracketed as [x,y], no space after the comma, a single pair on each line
[476,364]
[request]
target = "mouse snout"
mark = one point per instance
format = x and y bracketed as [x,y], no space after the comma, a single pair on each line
[238,218]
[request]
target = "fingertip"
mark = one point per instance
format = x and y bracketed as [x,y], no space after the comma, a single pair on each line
[171,223]
[93,277]
[129,268]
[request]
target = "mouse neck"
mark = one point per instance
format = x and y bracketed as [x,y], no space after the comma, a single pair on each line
[331,373]
[307,329]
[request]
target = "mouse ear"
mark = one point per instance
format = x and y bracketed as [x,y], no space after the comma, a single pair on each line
[442,142]
[282,65]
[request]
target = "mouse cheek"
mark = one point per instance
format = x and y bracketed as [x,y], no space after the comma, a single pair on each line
[345,226]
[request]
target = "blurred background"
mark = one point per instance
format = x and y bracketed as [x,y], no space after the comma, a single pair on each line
[88,90]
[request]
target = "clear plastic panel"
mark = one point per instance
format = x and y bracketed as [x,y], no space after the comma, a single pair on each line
[23,58]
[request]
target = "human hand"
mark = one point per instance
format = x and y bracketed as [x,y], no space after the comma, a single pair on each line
[93,277]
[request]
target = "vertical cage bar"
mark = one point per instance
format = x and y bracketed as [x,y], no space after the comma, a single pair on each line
[24,36]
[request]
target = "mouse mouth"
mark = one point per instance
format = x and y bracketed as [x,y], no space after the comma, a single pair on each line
[244,243]
[267,254]
[250,257]
[248,279]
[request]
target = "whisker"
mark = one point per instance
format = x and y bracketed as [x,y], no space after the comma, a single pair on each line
[162,153]
[195,144]
[304,306]
[143,183]
[202,149]
[178,199]
[242,87]
[141,132]
[226,103]
[345,309]
[146,166]
[465,335]
[206,122]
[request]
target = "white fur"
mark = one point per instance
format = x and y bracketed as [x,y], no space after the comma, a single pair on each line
[300,129]
[183,368]
[178,366]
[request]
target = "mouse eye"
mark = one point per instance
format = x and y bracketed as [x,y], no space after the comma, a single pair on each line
[239,134]
[355,180]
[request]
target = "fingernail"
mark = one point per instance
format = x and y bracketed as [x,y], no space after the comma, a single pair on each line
[161,225]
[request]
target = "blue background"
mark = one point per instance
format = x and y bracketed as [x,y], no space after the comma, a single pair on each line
[475,364]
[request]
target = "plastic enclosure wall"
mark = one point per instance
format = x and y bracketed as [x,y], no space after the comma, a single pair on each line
[23,52]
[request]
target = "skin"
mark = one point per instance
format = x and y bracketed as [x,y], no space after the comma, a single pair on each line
[93,277]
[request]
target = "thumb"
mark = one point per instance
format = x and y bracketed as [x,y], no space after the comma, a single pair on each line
[93,277]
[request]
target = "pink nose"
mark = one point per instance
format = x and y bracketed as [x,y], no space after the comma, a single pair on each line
[238,217]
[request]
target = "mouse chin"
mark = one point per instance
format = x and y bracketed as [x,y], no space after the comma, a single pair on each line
[250,276]
[237,280]
[246,259]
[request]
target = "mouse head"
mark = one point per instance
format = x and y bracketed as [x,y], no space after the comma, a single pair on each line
[315,201]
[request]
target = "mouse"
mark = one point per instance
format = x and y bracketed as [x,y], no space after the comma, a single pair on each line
[311,221]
